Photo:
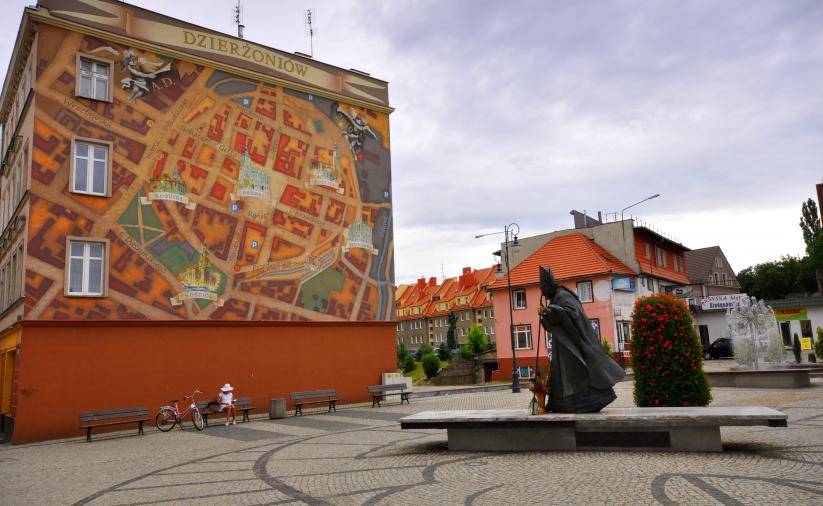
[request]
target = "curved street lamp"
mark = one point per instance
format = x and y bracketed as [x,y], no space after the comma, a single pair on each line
[510,231]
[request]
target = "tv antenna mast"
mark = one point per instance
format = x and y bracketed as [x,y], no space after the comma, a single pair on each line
[309,19]
[238,19]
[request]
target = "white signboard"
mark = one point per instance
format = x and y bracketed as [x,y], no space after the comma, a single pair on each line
[722,301]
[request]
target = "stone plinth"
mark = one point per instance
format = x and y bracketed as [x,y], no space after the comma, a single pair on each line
[648,429]
[765,378]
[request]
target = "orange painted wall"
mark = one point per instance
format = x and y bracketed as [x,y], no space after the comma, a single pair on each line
[70,367]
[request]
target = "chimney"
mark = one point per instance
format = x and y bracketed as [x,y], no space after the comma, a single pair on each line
[599,216]
[432,281]
[421,283]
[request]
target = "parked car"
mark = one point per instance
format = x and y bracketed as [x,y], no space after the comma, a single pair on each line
[721,348]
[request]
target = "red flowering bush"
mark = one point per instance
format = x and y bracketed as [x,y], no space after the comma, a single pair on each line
[667,357]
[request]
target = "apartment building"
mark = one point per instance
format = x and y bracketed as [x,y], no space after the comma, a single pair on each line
[182,189]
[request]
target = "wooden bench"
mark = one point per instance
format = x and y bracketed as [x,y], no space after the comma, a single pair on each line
[313,397]
[379,392]
[113,417]
[213,408]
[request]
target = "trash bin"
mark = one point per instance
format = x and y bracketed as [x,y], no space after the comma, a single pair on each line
[277,409]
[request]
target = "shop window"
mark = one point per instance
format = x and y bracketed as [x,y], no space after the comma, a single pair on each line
[596,327]
[623,335]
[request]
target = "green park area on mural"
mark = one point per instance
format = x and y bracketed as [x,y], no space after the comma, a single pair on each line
[315,293]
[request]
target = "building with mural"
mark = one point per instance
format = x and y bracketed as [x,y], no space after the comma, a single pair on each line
[160,174]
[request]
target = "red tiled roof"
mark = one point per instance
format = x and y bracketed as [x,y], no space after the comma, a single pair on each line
[569,256]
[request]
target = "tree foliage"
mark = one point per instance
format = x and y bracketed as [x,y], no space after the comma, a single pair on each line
[431,364]
[796,348]
[443,352]
[667,355]
[809,222]
[779,279]
[477,340]
[425,349]
[451,334]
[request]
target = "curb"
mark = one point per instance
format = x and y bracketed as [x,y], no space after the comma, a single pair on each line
[456,391]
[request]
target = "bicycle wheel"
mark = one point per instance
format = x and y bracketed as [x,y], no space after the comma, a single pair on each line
[165,419]
[197,419]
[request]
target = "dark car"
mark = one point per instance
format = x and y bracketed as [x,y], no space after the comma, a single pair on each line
[721,348]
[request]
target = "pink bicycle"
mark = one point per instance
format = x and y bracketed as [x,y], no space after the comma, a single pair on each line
[169,416]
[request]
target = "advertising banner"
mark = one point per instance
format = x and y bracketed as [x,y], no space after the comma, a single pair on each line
[715,302]
[790,313]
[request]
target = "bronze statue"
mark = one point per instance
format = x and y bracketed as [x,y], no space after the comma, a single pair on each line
[582,374]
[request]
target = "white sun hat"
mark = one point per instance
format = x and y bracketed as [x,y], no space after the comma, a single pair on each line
[227,388]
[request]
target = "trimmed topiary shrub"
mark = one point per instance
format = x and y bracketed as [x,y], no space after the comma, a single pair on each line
[431,364]
[443,352]
[796,348]
[667,356]
[606,347]
[409,364]
[424,350]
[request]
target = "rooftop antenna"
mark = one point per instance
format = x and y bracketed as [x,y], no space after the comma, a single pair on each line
[309,18]
[238,19]
[442,272]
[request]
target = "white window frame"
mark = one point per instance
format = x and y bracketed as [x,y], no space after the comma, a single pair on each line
[515,299]
[91,143]
[589,297]
[104,264]
[527,369]
[94,77]
[624,334]
[526,331]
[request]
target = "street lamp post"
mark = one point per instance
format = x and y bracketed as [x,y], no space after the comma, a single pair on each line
[623,226]
[510,230]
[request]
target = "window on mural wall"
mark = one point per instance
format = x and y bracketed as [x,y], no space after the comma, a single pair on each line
[85,270]
[93,79]
[519,299]
[522,337]
[90,174]
[584,291]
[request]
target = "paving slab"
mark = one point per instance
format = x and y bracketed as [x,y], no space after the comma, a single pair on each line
[377,463]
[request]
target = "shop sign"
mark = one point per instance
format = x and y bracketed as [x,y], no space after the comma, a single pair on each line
[790,313]
[806,343]
[625,284]
[728,301]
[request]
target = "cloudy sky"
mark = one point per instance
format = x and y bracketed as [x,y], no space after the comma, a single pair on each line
[520,111]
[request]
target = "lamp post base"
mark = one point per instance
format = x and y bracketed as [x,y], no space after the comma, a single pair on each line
[515,382]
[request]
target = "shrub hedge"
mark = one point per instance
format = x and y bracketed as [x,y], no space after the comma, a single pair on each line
[667,356]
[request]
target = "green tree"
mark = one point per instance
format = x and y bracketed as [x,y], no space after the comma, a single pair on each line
[818,344]
[451,334]
[431,364]
[443,352]
[425,349]
[809,221]
[606,347]
[796,348]
[401,352]
[477,340]
[409,364]
[812,236]
[667,355]
[778,279]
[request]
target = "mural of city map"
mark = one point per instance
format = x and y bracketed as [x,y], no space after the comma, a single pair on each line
[230,199]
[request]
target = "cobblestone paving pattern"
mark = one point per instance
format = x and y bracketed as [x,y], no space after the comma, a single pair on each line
[359,455]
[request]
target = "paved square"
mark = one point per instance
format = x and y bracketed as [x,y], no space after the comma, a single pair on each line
[360,456]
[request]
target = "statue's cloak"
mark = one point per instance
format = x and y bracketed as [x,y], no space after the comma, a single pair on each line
[582,373]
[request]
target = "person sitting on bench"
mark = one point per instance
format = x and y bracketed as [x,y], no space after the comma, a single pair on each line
[226,400]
